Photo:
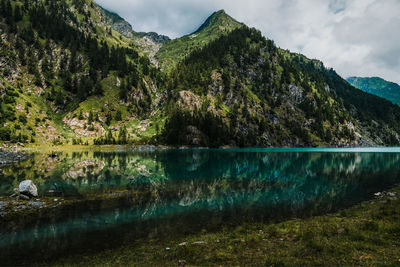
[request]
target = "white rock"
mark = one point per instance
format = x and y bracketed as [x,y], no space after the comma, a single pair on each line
[28,188]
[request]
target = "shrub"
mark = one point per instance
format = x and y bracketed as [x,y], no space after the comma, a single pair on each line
[9,114]
[370,226]
[22,119]
[5,134]
[12,92]
[118,116]
[8,99]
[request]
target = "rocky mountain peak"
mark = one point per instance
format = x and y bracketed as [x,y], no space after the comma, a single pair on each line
[219,19]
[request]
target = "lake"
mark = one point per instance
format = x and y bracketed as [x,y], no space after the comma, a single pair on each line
[110,196]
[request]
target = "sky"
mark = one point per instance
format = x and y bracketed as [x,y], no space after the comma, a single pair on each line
[355,37]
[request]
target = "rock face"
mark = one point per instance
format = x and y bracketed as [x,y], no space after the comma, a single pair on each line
[28,188]
[79,127]
[155,37]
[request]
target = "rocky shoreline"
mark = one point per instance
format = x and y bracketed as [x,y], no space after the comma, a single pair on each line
[7,158]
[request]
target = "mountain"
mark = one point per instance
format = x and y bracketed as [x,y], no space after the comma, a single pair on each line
[218,24]
[74,73]
[377,86]
[242,90]
[149,42]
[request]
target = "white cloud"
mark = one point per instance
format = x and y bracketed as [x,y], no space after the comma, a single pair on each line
[355,37]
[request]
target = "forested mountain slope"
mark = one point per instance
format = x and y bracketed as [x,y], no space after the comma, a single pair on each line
[377,86]
[61,64]
[72,72]
[242,90]
[218,24]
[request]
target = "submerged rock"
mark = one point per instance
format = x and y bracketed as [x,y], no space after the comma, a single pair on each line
[28,188]
[23,197]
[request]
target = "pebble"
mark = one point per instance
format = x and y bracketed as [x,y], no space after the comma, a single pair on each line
[340,231]
[198,243]
[182,263]
[391,195]
[3,204]
[37,204]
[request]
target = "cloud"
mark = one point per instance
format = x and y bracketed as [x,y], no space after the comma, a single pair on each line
[355,37]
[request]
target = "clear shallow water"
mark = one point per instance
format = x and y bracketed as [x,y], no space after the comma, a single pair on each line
[178,191]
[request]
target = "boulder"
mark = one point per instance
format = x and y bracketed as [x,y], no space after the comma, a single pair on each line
[28,188]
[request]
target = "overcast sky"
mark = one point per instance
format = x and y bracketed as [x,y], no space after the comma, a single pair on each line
[355,37]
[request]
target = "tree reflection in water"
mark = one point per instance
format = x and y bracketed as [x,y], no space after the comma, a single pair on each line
[182,191]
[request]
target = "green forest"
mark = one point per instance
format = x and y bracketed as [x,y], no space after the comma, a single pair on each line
[70,71]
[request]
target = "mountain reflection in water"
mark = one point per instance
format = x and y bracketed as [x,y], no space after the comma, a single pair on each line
[174,192]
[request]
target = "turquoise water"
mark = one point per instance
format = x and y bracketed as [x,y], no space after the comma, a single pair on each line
[125,194]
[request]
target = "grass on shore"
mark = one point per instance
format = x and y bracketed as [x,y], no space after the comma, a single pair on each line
[365,235]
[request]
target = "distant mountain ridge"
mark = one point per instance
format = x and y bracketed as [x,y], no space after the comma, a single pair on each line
[149,42]
[122,26]
[377,86]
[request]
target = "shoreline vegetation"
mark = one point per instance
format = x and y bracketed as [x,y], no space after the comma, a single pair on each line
[59,148]
[366,234]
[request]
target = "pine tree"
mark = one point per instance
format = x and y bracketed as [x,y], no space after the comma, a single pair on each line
[118,115]
[122,137]
[17,14]
[110,138]
[90,119]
